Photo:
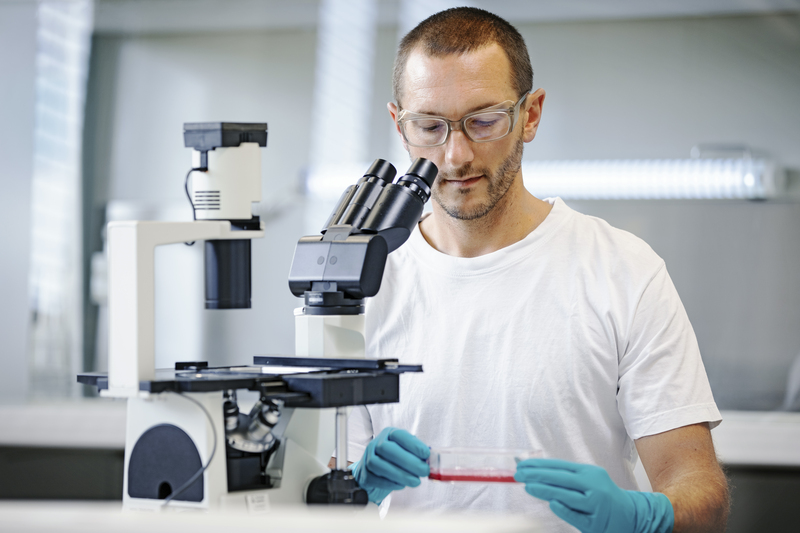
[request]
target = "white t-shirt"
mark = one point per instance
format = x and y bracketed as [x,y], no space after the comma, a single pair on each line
[572,341]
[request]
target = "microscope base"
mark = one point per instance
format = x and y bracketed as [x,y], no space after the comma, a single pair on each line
[168,438]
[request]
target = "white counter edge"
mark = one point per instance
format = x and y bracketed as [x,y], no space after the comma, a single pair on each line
[755,438]
[90,423]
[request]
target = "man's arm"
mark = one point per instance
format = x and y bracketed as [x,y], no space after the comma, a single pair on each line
[682,465]
[691,490]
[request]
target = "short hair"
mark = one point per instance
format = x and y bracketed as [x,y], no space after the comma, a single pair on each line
[460,30]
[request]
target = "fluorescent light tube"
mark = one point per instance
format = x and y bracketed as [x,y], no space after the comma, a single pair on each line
[639,179]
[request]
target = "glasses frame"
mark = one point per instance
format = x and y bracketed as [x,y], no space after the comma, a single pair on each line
[458,125]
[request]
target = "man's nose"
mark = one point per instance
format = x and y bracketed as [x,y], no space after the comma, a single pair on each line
[458,150]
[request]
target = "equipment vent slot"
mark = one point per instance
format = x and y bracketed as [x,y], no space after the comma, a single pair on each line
[208,200]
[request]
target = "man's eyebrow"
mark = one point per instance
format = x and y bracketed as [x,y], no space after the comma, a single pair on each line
[470,110]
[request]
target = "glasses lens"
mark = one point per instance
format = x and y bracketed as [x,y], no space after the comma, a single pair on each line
[425,131]
[488,126]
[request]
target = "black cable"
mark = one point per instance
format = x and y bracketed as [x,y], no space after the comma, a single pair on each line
[189,196]
[186,188]
[199,473]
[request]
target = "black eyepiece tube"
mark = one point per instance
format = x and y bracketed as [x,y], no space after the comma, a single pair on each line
[341,205]
[228,274]
[381,169]
[401,204]
[424,169]
[370,187]
[420,178]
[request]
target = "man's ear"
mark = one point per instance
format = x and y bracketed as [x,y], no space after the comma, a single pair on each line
[393,111]
[531,114]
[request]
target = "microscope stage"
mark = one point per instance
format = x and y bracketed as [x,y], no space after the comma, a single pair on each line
[297,381]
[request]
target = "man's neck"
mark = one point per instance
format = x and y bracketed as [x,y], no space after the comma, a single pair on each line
[515,216]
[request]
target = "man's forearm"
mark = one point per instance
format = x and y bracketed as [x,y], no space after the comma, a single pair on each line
[681,464]
[700,501]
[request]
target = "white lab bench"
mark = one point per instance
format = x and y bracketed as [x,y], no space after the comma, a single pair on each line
[758,438]
[100,424]
[747,439]
[86,517]
[754,438]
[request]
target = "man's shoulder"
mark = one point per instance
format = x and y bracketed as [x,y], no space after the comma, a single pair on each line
[596,240]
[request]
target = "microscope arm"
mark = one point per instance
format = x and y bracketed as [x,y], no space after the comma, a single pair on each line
[131,299]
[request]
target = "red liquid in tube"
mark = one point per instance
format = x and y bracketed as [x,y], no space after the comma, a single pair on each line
[485,476]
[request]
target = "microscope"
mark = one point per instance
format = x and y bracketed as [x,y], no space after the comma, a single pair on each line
[334,272]
[187,444]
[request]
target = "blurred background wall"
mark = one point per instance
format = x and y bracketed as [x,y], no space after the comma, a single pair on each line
[17,96]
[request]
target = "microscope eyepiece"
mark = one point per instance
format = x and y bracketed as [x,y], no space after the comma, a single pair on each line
[369,187]
[381,169]
[420,178]
[425,169]
[367,193]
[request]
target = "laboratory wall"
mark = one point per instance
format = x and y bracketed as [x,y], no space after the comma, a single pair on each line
[615,89]
[655,88]
[17,96]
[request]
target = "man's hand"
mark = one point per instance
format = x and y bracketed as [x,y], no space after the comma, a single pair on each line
[586,497]
[393,460]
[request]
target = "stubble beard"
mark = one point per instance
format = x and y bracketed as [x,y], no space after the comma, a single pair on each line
[499,183]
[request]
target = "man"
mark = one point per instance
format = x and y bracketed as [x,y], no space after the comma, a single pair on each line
[537,327]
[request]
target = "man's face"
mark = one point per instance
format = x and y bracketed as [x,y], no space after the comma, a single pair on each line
[473,177]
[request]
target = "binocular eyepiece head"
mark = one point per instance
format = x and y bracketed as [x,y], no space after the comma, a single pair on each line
[373,217]
[361,204]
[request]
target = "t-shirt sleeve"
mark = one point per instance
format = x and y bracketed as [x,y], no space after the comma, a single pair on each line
[662,382]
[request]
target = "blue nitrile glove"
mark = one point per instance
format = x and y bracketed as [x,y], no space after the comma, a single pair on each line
[586,497]
[393,460]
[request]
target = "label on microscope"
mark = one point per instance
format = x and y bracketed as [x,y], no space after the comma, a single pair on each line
[257,503]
